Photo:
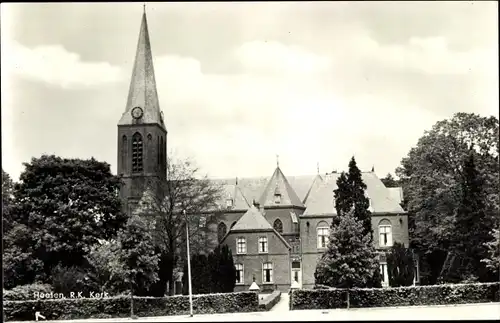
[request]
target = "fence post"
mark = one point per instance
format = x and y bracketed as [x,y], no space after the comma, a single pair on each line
[348,301]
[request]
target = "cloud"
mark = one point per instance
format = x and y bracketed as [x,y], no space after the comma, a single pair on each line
[425,55]
[235,124]
[55,65]
[272,56]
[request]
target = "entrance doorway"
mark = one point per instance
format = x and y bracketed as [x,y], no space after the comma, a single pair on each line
[297,273]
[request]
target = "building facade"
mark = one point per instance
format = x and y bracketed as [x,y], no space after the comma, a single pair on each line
[276,227]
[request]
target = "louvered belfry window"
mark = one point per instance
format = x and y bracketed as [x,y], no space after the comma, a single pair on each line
[137,153]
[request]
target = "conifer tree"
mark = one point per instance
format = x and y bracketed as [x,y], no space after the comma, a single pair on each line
[350,259]
[343,197]
[472,227]
[400,265]
[360,201]
[223,270]
[350,196]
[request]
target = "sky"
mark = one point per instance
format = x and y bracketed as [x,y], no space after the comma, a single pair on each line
[240,83]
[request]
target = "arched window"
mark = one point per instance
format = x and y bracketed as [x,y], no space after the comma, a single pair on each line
[385,233]
[322,231]
[221,231]
[137,149]
[278,225]
[124,152]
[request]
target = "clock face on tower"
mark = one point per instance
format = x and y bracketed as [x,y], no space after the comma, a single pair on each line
[137,113]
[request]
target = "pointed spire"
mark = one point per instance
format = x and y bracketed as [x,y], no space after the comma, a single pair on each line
[277,161]
[373,168]
[236,180]
[317,167]
[142,90]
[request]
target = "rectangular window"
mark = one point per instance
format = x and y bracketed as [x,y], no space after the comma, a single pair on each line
[239,274]
[384,273]
[277,198]
[241,246]
[385,236]
[262,244]
[229,203]
[322,238]
[267,273]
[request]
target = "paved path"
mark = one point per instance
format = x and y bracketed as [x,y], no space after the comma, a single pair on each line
[489,311]
[282,305]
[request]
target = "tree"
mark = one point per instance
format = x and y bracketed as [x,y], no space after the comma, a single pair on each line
[223,270]
[361,202]
[213,274]
[64,206]
[400,265]
[201,276]
[105,266]
[350,193]
[472,226]
[350,196]
[431,175]
[19,267]
[137,256]
[343,197]
[165,202]
[389,181]
[7,200]
[66,280]
[350,259]
[492,260]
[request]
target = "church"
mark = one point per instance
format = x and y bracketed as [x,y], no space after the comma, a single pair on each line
[276,226]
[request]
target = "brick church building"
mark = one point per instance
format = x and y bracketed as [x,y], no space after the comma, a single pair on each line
[277,226]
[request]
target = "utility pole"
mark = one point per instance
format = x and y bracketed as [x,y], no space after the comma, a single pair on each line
[189,267]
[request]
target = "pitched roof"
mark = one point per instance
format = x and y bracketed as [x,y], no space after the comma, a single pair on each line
[396,193]
[321,197]
[252,220]
[278,184]
[317,181]
[253,187]
[142,91]
[233,192]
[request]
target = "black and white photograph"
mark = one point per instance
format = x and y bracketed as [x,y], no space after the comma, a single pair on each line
[250,161]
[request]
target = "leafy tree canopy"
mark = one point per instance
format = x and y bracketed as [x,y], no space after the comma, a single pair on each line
[61,208]
[390,181]
[431,176]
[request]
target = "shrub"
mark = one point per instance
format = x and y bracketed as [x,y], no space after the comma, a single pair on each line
[86,308]
[72,279]
[270,300]
[401,296]
[26,292]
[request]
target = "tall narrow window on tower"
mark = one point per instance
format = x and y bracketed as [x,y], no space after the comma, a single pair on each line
[137,153]
[124,152]
[158,151]
[162,147]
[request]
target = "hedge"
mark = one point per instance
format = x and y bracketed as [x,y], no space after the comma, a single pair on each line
[26,292]
[269,301]
[332,298]
[86,308]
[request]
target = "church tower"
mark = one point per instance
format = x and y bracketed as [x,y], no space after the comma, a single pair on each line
[142,135]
